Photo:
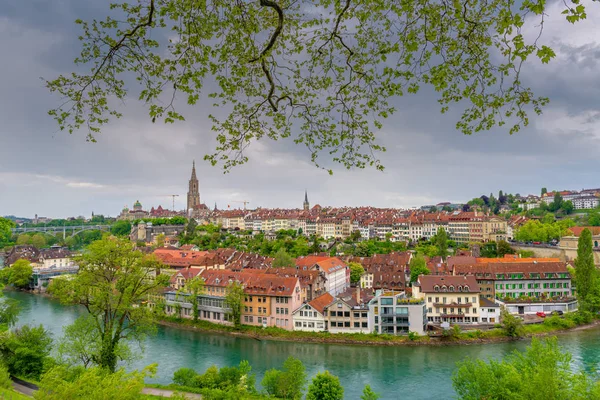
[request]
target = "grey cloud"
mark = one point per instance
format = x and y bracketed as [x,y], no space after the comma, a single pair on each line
[52,173]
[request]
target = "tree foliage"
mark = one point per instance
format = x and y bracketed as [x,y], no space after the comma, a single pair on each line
[536,231]
[230,382]
[283,259]
[356,271]
[63,382]
[5,231]
[235,301]
[542,372]
[313,71]
[369,394]
[588,290]
[288,383]
[441,242]
[511,324]
[418,266]
[26,351]
[325,386]
[121,228]
[19,274]
[113,281]
[503,248]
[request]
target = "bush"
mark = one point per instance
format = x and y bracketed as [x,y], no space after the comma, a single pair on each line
[413,336]
[558,322]
[580,317]
[26,350]
[185,377]
[5,381]
[288,383]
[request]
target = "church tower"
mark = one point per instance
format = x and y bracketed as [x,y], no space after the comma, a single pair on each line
[306,204]
[193,196]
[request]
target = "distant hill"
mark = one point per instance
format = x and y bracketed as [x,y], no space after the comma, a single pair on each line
[20,219]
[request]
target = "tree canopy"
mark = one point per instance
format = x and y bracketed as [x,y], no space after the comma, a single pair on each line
[588,284]
[325,386]
[542,372]
[356,271]
[418,266]
[321,72]
[113,280]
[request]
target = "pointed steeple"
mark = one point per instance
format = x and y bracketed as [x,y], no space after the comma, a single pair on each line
[193,170]
[215,206]
[306,205]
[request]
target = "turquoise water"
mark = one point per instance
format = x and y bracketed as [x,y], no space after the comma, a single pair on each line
[415,373]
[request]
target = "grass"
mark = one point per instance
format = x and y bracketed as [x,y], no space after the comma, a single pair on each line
[9,394]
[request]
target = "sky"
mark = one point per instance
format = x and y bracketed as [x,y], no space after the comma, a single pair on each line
[50,173]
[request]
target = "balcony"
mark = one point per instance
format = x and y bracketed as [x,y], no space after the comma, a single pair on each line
[453,305]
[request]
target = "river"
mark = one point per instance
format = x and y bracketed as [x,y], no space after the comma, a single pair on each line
[417,373]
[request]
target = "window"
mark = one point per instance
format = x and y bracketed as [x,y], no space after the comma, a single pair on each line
[339,305]
[347,324]
[474,311]
[386,301]
[429,299]
[347,314]
[364,324]
[364,315]
[357,324]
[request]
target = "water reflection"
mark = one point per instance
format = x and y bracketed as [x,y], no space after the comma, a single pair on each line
[408,372]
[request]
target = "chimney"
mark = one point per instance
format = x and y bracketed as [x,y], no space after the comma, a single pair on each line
[358,294]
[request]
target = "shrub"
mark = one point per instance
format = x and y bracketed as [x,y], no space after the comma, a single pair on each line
[557,322]
[413,336]
[185,377]
[5,381]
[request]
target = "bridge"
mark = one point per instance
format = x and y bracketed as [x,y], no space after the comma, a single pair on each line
[72,230]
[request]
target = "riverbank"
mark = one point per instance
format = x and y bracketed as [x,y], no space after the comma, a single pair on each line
[494,335]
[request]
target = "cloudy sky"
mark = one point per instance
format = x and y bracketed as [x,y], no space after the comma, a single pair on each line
[52,173]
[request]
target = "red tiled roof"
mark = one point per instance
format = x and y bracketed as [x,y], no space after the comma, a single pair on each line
[321,302]
[578,229]
[428,282]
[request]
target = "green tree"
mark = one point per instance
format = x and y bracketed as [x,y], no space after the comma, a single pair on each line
[362,250]
[9,312]
[418,266]
[594,219]
[587,275]
[38,240]
[369,394]
[289,383]
[5,231]
[325,386]
[441,242]
[544,191]
[20,273]
[62,382]
[356,271]
[112,282]
[23,239]
[121,228]
[542,372]
[160,240]
[81,344]
[235,301]
[567,207]
[26,350]
[271,56]
[194,287]
[503,248]
[283,259]
[511,324]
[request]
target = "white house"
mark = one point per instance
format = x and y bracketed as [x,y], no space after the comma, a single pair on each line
[309,317]
[489,311]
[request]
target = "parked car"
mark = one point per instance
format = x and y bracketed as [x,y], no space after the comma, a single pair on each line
[557,312]
[537,242]
[541,314]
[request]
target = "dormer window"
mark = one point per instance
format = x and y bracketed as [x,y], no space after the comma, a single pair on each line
[451,288]
[466,288]
[436,288]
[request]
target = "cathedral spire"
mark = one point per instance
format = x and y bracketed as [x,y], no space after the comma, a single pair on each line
[306,205]
[193,170]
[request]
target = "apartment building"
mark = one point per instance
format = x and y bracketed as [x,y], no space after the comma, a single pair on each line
[348,312]
[395,314]
[453,299]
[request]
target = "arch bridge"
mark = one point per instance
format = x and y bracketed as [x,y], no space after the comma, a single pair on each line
[70,230]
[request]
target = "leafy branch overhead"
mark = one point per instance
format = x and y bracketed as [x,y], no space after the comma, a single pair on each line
[320,72]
